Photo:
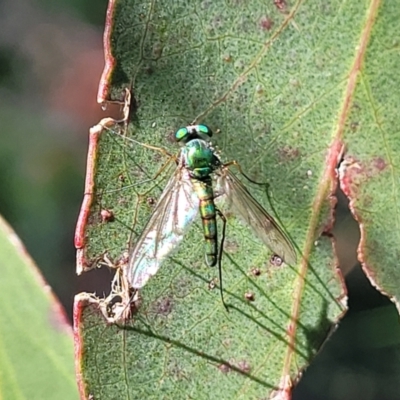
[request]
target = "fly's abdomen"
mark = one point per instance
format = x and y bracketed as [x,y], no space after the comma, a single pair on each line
[205,193]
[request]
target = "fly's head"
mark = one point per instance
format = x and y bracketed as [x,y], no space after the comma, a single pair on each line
[186,134]
[198,154]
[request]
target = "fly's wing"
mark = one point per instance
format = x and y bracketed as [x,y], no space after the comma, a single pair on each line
[236,197]
[172,216]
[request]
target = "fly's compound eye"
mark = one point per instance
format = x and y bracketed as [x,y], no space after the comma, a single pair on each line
[204,130]
[190,132]
[182,135]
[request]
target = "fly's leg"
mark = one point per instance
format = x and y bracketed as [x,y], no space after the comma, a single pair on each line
[161,150]
[108,123]
[265,184]
[221,248]
[158,173]
[238,166]
[147,146]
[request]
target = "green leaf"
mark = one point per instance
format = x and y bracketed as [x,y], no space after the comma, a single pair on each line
[36,351]
[370,172]
[277,84]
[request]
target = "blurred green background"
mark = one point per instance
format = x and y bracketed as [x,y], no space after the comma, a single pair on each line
[51,59]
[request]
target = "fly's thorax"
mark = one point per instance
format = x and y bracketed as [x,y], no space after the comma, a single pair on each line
[199,158]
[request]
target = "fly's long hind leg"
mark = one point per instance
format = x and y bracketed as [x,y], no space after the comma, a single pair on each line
[153,178]
[147,146]
[221,248]
[265,184]
[238,166]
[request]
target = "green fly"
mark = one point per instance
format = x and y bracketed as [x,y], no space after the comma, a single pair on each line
[199,181]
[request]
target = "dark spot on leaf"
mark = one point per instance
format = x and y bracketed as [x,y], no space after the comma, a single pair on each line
[249,296]
[288,153]
[256,271]
[212,284]
[379,163]
[224,368]
[121,178]
[164,306]
[266,23]
[244,366]
[107,215]
[227,57]
[151,201]
[276,261]
[280,5]
[259,89]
